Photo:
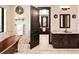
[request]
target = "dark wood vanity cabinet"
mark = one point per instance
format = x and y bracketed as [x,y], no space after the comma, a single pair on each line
[65,40]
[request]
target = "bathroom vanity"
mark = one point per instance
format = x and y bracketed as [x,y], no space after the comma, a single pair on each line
[65,40]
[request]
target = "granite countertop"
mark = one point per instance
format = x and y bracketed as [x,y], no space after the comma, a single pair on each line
[62,32]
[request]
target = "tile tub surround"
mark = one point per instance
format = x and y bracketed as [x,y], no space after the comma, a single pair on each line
[4,35]
[23,48]
[23,45]
[23,40]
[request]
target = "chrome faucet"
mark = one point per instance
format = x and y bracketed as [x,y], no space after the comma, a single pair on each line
[65,30]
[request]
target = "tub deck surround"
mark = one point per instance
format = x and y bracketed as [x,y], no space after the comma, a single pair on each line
[4,35]
[9,45]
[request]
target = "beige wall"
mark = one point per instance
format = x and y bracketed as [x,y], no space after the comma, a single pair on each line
[10,21]
[55,9]
[11,16]
[58,11]
[26,17]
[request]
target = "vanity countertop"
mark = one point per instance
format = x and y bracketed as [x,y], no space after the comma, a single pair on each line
[60,32]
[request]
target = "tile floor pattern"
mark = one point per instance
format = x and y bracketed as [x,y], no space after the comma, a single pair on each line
[24,49]
[43,48]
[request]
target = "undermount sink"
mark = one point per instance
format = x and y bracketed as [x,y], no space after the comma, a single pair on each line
[64,32]
[67,32]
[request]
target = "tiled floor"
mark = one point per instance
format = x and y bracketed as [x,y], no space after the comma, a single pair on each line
[44,48]
[49,50]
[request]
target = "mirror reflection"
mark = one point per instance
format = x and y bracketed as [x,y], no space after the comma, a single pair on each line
[64,20]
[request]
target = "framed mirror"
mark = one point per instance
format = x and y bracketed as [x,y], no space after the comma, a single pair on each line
[64,20]
[44,21]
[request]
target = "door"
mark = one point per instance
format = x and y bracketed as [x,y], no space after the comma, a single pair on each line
[34,27]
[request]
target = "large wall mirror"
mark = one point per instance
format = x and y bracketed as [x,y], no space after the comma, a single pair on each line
[44,17]
[64,20]
[44,21]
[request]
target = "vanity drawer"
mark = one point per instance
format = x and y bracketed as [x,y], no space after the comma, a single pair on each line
[58,43]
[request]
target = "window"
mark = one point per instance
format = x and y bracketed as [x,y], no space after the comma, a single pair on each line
[64,20]
[2,20]
[19,26]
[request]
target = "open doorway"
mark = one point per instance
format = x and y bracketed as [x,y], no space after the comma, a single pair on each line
[44,33]
[44,19]
[40,24]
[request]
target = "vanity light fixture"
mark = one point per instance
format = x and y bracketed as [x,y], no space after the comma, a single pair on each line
[65,7]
